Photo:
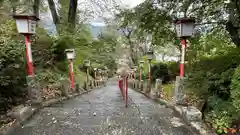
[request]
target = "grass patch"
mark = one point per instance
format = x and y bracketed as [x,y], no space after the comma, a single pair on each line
[168,91]
[161,102]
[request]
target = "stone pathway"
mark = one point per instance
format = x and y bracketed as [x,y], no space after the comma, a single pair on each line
[102,112]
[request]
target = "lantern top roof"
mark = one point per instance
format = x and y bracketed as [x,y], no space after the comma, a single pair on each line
[69,50]
[150,52]
[141,61]
[31,17]
[184,20]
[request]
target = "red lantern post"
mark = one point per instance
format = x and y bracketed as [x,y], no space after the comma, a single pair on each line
[26,25]
[140,74]
[71,55]
[150,57]
[184,28]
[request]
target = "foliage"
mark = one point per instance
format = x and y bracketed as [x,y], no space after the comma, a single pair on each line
[12,65]
[160,71]
[235,94]
[166,71]
[215,79]
[213,75]
[144,75]
[173,69]
[168,90]
[221,113]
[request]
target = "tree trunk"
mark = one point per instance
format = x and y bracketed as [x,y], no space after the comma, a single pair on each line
[234,18]
[233,31]
[53,10]
[13,6]
[72,13]
[133,56]
[36,5]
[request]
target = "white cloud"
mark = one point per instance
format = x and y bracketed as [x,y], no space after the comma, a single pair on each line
[132,3]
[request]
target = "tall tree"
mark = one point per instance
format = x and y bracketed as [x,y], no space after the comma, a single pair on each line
[72,13]
[53,10]
[36,5]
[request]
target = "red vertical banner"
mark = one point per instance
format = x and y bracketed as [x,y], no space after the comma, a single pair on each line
[123,88]
[29,55]
[184,45]
[126,93]
[71,74]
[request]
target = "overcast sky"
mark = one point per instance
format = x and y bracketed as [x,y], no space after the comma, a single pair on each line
[99,13]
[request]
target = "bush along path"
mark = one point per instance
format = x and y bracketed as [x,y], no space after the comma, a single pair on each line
[20,114]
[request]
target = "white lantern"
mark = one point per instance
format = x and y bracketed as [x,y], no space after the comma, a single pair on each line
[26,24]
[95,69]
[150,55]
[87,63]
[141,64]
[70,53]
[184,27]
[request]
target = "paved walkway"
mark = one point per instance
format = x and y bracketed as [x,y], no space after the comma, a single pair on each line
[102,112]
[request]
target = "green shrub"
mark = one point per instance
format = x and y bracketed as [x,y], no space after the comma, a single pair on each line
[216,79]
[220,113]
[12,72]
[165,71]
[210,76]
[160,70]
[59,45]
[235,95]
[173,70]
[235,89]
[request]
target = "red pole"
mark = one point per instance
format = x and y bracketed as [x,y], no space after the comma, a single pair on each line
[184,45]
[72,73]
[87,75]
[149,74]
[126,93]
[123,89]
[140,75]
[29,55]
